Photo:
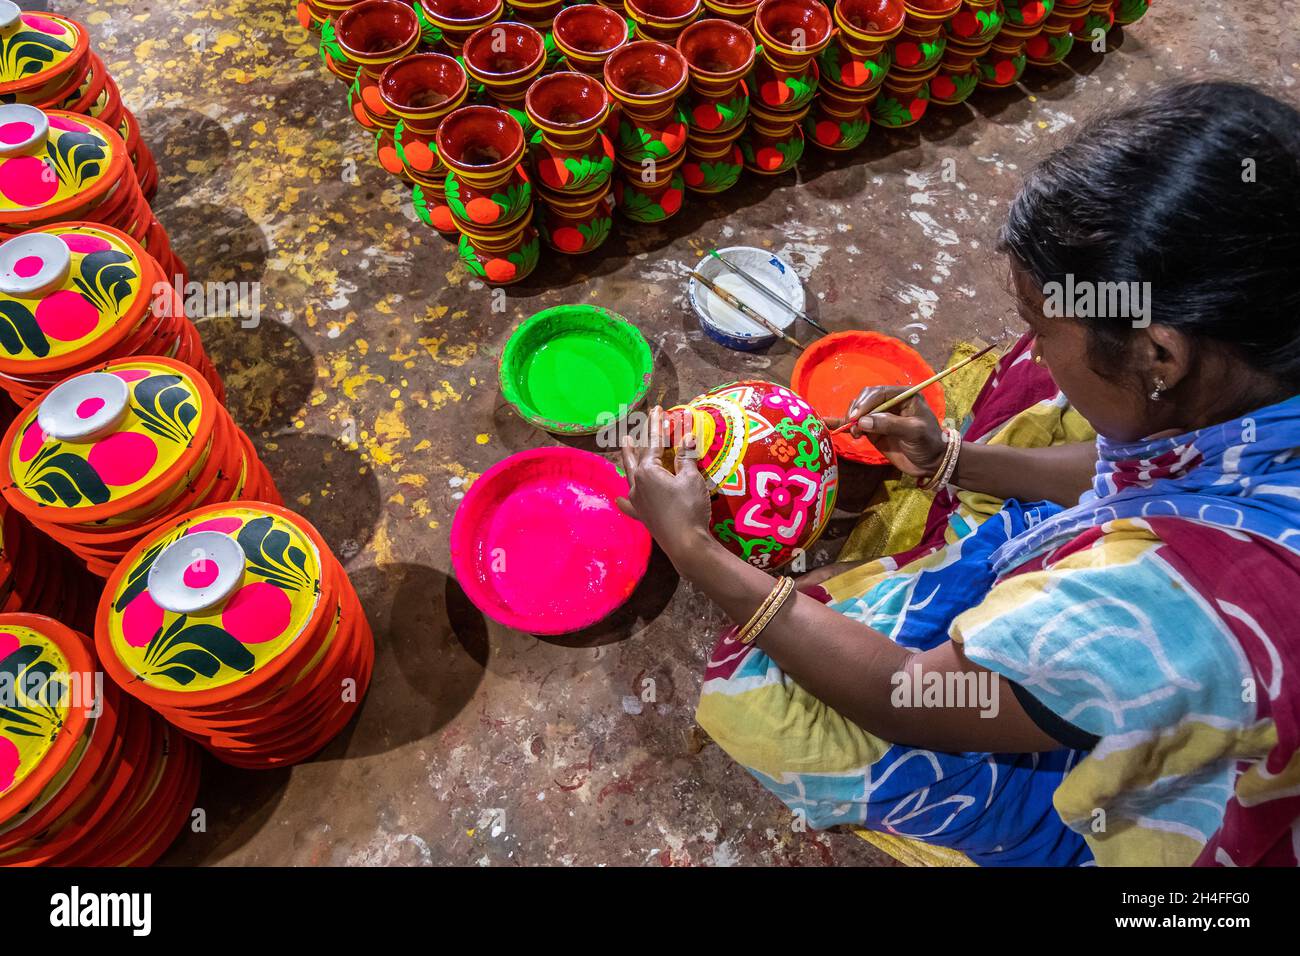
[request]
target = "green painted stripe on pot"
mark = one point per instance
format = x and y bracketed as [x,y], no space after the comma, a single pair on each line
[574,368]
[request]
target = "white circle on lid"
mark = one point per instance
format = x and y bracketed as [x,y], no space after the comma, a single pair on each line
[196,572]
[10,13]
[84,407]
[32,263]
[22,113]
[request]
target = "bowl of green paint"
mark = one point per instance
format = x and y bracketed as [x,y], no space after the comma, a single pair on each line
[574,369]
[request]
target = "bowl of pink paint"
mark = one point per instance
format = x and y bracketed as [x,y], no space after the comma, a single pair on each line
[539,545]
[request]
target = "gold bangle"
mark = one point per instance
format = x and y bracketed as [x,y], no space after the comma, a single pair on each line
[769,609]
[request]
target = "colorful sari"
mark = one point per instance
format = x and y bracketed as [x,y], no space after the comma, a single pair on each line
[1153,617]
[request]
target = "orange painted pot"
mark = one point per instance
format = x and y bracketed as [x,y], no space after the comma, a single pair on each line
[374,34]
[586,34]
[718,56]
[792,33]
[576,224]
[662,20]
[486,187]
[505,58]
[571,155]
[457,19]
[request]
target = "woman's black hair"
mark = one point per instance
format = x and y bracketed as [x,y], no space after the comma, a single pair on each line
[1194,189]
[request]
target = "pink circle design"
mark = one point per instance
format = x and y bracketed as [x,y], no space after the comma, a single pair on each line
[43,25]
[32,441]
[28,266]
[9,761]
[123,458]
[224,525]
[67,316]
[25,182]
[8,644]
[68,125]
[141,620]
[19,132]
[76,242]
[89,407]
[132,375]
[200,574]
[258,613]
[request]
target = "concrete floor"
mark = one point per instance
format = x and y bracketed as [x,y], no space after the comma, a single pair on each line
[370,389]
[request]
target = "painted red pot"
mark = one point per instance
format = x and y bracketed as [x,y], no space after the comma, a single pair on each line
[456,20]
[740,12]
[1027,15]
[771,464]
[952,86]
[1051,46]
[792,34]
[1003,65]
[713,164]
[649,202]
[975,25]
[587,34]
[505,57]
[718,55]
[575,225]
[924,14]
[486,187]
[571,156]
[372,35]
[646,78]
[918,50]
[837,132]
[774,142]
[1100,17]
[662,20]
[420,90]
[1130,11]
[501,258]
[903,101]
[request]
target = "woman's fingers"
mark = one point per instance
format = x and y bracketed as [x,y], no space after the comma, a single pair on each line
[904,427]
[626,506]
[872,397]
[654,446]
[685,459]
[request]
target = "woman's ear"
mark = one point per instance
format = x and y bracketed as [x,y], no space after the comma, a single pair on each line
[1164,353]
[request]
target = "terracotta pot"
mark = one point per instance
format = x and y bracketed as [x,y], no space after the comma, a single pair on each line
[535,11]
[918,50]
[718,55]
[792,34]
[575,225]
[774,142]
[902,101]
[1051,46]
[739,12]
[867,22]
[1027,15]
[505,57]
[587,34]
[372,35]
[456,20]
[662,20]
[859,56]
[959,57]
[713,162]
[486,187]
[572,155]
[1003,65]
[836,132]
[975,25]
[1130,11]
[652,202]
[953,85]
[922,14]
[1100,16]
[500,257]
[646,77]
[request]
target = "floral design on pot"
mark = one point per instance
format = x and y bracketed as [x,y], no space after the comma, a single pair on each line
[569,151]
[642,201]
[769,465]
[487,190]
[774,142]
[372,35]
[662,20]
[1050,46]
[1130,11]
[505,57]
[421,90]
[902,101]
[1027,14]
[792,34]
[952,86]
[1097,22]
[718,55]
[975,25]
[710,171]
[586,34]
[332,55]
[578,224]
[646,77]
[859,57]
[838,133]
[456,20]
[1003,65]
[915,52]
[501,257]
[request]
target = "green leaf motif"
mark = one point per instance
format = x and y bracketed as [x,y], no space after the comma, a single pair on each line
[595,232]
[470,258]
[514,202]
[525,259]
[453,198]
[719,176]
[587,174]
[639,207]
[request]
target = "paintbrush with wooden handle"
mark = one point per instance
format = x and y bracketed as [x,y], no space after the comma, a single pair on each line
[766,292]
[743,309]
[904,396]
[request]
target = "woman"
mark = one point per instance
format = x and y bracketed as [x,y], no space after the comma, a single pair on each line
[1105,670]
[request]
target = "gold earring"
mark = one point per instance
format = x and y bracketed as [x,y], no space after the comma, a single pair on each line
[1159,387]
[1038,360]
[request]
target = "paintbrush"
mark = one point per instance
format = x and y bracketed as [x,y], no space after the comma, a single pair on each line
[904,396]
[743,309]
[760,287]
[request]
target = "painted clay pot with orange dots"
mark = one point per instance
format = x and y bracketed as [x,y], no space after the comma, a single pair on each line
[719,55]
[1004,64]
[575,224]
[487,188]
[505,57]
[903,100]
[1130,11]
[1052,45]
[652,196]
[774,142]
[976,23]
[540,15]
[570,155]
[500,256]
[1097,21]
[647,78]
[374,34]
[791,33]
[421,90]
[859,56]
[714,162]
[586,34]
[662,20]
[1025,17]
[957,77]
[456,20]
[840,118]
[331,54]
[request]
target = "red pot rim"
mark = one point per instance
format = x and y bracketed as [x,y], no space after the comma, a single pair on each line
[628,55]
[568,19]
[462,13]
[811,13]
[481,127]
[653,12]
[400,32]
[478,48]
[690,45]
[570,89]
[415,73]
[894,8]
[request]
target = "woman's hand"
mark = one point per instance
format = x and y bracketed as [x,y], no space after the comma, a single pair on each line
[673,505]
[910,436]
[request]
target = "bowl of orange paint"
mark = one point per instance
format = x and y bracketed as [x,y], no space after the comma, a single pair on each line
[538,543]
[834,370]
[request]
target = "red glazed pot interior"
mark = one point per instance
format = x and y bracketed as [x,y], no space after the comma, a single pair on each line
[645,70]
[717,47]
[875,17]
[782,19]
[422,83]
[376,29]
[504,50]
[590,29]
[567,100]
[461,12]
[481,136]
[934,8]
[664,11]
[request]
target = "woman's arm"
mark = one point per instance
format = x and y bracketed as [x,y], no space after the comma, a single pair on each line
[845,664]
